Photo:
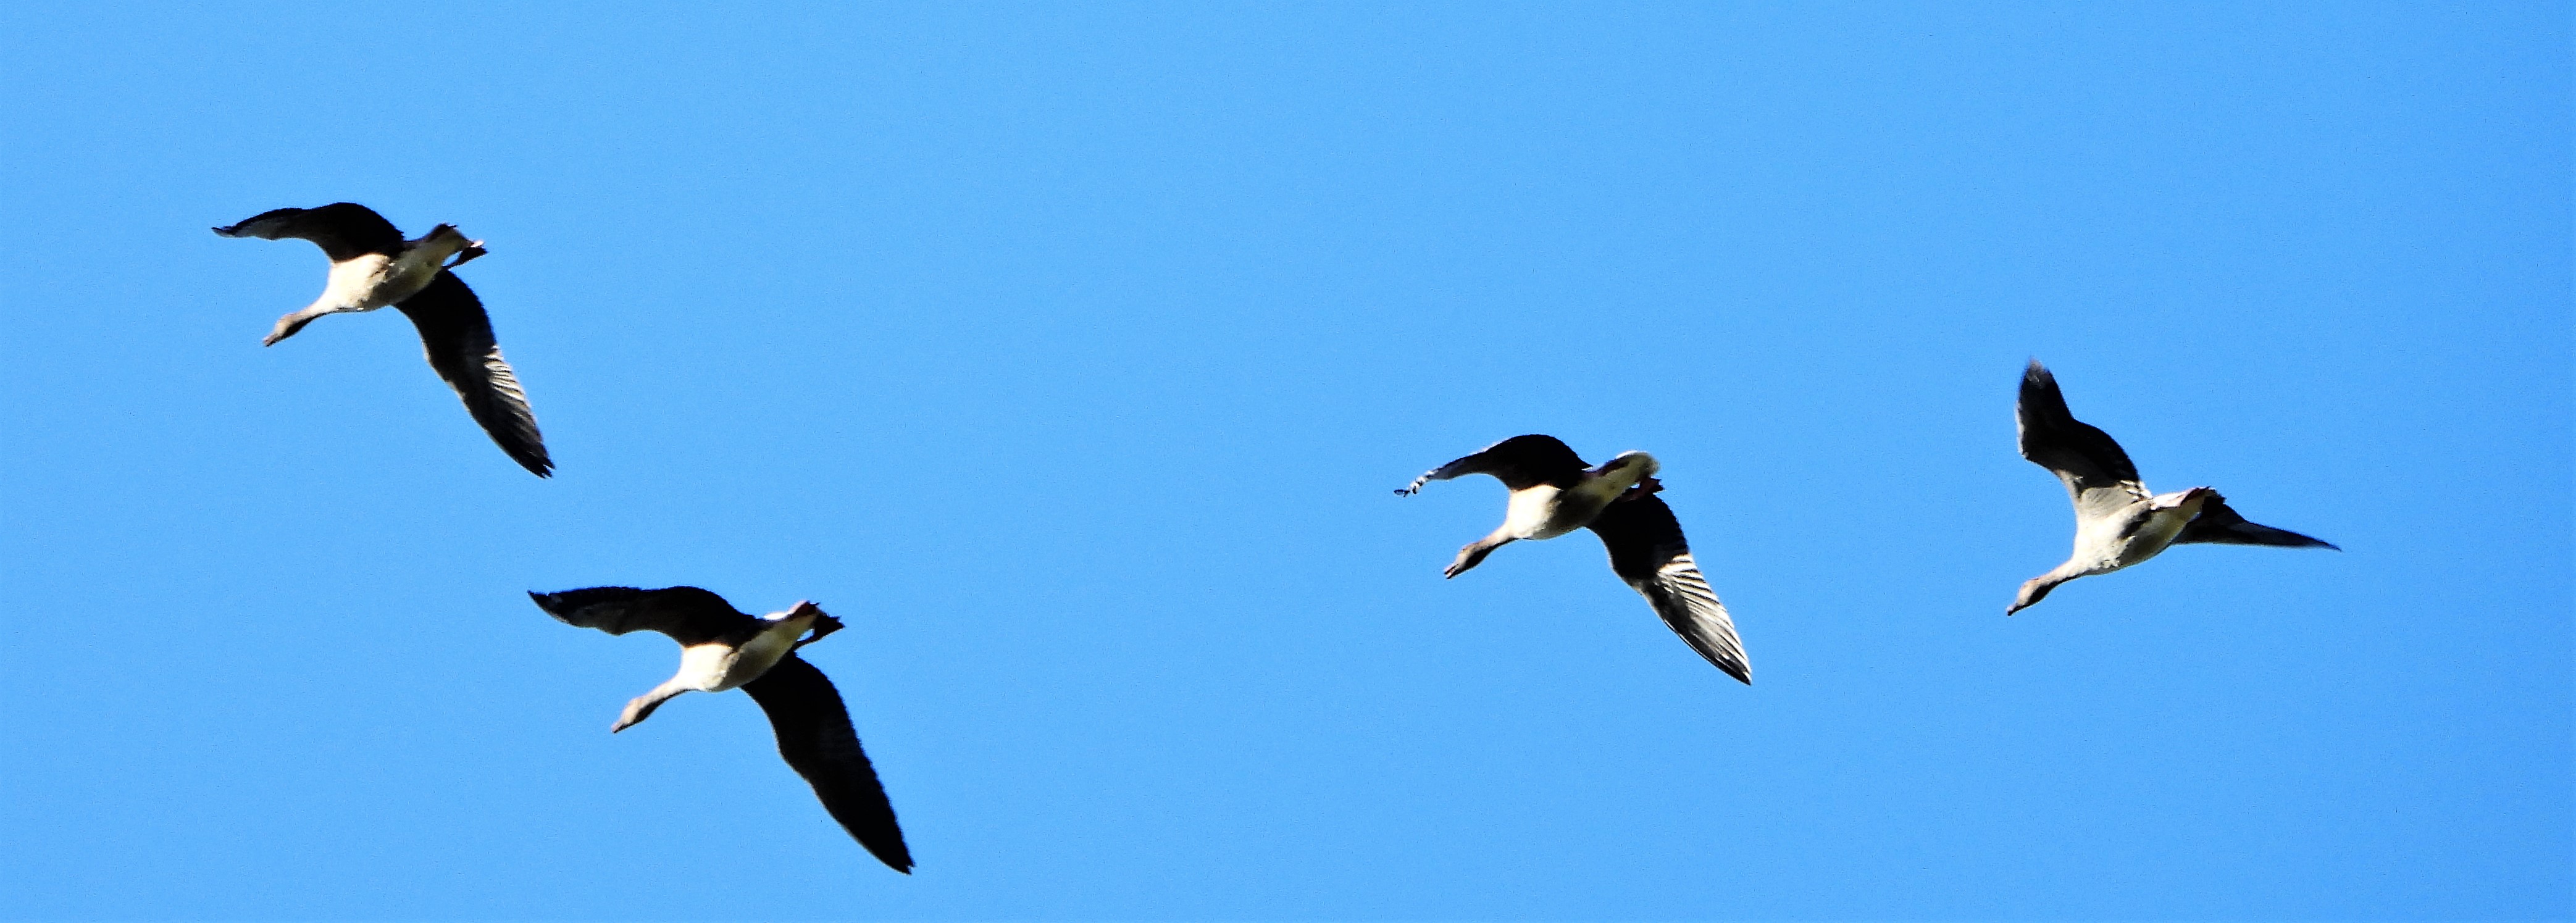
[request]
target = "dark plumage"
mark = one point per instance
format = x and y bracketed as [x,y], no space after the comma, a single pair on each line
[1647,550]
[372,266]
[456,338]
[344,230]
[1520,462]
[1553,492]
[724,648]
[2117,522]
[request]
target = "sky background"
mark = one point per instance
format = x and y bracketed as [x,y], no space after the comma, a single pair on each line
[1070,355]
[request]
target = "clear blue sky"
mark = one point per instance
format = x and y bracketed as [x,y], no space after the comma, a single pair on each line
[1069,354]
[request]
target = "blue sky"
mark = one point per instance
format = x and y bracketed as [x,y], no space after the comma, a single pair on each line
[1069,354]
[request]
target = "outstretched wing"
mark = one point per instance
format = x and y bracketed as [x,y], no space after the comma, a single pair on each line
[343,229]
[815,736]
[1647,551]
[1519,462]
[689,615]
[2219,523]
[457,337]
[2097,474]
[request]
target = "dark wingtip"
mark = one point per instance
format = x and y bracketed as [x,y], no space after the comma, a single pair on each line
[2041,396]
[544,601]
[895,855]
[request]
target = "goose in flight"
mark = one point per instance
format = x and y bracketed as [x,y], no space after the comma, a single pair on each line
[722,648]
[373,266]
[1553,492]
[2117,523]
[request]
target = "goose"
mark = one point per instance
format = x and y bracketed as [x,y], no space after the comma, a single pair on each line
[1553,492]
[2117,522]
[373,266]
[722,648]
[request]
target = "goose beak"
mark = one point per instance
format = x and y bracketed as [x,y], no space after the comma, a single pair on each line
[473,248]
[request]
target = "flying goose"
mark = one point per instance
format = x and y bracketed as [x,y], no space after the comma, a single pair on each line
[722,648]
[1554,492]
[2117,523]
[373,266]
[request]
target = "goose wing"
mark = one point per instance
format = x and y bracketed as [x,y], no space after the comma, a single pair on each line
[2097,474]
[1647,551]
[2219,523]
[689,615]
[815,736]
[1520,462]
[457,337]
[343,229]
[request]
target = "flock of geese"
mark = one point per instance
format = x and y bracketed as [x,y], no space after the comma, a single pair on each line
[2118,523]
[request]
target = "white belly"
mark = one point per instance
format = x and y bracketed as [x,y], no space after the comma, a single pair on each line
[1544,511]
[2103,547]
[371,281]
[2156,535]
[716,668]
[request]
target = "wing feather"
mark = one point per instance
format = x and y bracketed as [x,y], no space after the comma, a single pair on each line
[342,229]
[456,337]
[1647,550]
[815,736]
[2098,476]
[689,615]
[2219,523]
[1520,462]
